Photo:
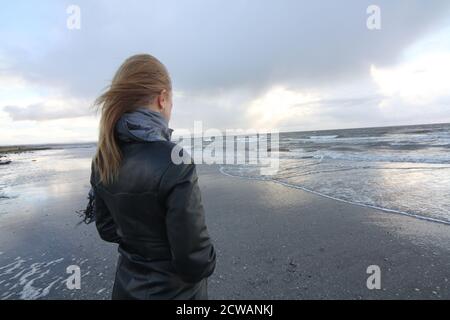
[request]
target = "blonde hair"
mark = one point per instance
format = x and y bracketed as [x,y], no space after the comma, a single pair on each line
[137,82]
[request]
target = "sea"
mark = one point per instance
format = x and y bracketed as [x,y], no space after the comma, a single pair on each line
[401,170]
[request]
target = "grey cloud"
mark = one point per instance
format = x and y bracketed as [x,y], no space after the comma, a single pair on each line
[219,45]
[215,48]
[42,112]
[342,102]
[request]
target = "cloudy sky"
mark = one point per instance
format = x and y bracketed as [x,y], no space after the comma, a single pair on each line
[290,65]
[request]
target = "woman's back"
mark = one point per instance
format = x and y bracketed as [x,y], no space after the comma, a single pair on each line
[140,198]
[154,211]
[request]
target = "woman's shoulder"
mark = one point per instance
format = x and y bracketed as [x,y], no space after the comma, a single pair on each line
[160,163]
[159,153]
[154,149]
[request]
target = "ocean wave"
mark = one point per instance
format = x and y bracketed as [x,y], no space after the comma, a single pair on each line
[324,137]
[290,185]
[371,157]
[430,139]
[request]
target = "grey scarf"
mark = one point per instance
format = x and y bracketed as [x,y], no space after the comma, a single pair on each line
[143,125]
[140,125]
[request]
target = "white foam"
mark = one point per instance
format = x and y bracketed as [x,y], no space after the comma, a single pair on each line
[371,157]
[9,268]
[329,137]
[101,290]
[337,199]
[27,276]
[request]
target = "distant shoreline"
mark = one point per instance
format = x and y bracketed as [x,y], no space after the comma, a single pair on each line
[40,147]
[19,149]
[4,151]
[46,146]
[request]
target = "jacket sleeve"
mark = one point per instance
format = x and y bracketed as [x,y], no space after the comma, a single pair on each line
[193,254]
[104,222]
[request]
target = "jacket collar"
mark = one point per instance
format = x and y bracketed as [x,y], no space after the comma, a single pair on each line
[143,125]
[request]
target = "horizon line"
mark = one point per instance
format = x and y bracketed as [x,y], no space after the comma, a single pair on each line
[288,131]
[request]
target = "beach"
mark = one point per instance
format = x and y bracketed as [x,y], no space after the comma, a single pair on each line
[272,242]
[320,131]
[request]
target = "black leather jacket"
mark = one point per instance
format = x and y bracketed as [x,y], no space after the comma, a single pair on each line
[154,212]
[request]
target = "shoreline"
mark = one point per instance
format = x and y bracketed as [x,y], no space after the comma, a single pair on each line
[386,210]
[20,149]
[7,151]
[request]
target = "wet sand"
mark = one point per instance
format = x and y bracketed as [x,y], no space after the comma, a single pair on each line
[273,242]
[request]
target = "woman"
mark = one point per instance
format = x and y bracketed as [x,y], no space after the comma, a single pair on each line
[139,198]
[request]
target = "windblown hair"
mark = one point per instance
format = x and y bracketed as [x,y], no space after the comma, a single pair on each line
[137,82]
